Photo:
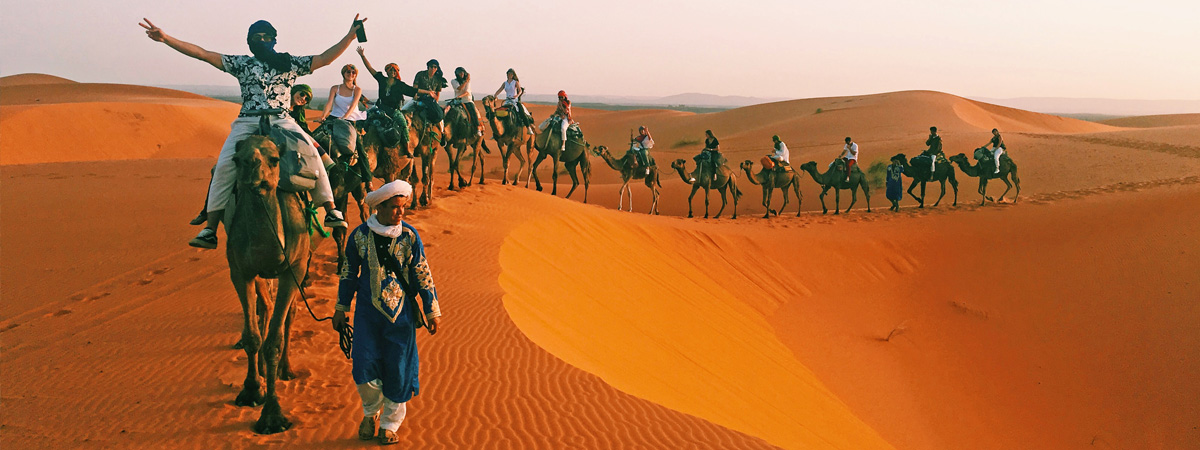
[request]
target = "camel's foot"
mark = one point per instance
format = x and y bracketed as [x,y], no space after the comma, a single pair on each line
[990,199]
[689,215]
[733,216]
[308,280]
[503,182]
[239,345]
[837,212]
[272,420]
[250,396]
[463,184]
[539,188]
[767,215]
[922,206]
[706,216]
[286,373]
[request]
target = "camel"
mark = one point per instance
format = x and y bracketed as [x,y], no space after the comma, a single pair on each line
[510,141]
[461,137]
[427,139]
[920,174]
[549,143]
[833,178]
[268,238]
[700,178]
[1007,167]
[770,179]
[625,166]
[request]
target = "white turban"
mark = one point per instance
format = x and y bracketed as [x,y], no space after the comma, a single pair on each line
[396,188]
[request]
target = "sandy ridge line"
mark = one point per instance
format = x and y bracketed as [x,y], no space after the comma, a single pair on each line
[1187,151]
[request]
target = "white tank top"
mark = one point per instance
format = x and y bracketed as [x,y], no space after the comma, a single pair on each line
[460,89]
[510,89]
[341,104]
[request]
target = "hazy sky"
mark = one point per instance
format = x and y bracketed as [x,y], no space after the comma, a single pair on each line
[763,48]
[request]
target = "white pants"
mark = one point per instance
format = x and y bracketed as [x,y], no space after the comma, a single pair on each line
[996,152]
[562,123]
[392,414]
[225,174]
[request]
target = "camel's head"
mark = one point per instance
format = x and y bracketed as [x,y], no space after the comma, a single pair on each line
[601,150]
[811,165]
[678,164]
[257,160]
[747,164]
[902,158]
[489,102]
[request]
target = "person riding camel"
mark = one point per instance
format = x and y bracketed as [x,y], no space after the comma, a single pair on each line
[561,117]
[780,156]
[935,148]
[998,148]
[640,146]
[266,80]
[710,155]
[431,81]
[849,155]
[462,97]
[512,100]
[343,104]
[301,95]
[392,90]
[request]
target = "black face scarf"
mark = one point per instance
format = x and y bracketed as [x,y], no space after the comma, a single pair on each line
[265,50]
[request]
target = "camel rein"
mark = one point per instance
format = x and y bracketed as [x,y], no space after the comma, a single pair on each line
[346,333]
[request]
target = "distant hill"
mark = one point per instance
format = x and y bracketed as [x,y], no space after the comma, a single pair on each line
[1097,106]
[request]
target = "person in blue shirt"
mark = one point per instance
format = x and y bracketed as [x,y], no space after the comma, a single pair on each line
[386,270]
[895,182]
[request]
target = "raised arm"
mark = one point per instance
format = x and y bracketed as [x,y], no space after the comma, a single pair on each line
[367,64]
[157,35]
[328,104]
[324,59]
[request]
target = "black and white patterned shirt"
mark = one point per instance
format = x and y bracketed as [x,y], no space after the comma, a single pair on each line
[262,86]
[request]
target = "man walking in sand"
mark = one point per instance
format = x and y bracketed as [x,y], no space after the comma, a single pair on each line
[386,270]
[266,81]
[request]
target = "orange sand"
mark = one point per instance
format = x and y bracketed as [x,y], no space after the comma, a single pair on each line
[575,326]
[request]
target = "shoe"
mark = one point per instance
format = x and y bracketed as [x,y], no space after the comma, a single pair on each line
[366,429]
[691,180]
[647,171]
[334,220]
[388,437]
[200,218]
[206,239]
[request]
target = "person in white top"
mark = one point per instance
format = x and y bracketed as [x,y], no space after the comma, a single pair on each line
[781,156]
[511,87]
[850,155]
[342,107]
[462,96]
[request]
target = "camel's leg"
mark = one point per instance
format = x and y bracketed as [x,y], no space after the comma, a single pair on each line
[799,198]
[690,197]
[837,201]
[920,201]
[506,152]
[866,192]
[1008,187]
[453,156]
[983,191]
[554,172]
[285,363]
[574,178]
[533,171]
[272,419]
[251,394]
[585,170]
[731,187]
[939,200]
[528,157]
[923,183]
[954,184]
[786,200]
[360,194]
[1016,181]
[766,201]
[653,200]
[821,196]
[706,193]
[724,201]
[853,198]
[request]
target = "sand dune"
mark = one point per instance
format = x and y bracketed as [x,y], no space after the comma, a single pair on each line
[45,120]
[1165,120]
[574,326]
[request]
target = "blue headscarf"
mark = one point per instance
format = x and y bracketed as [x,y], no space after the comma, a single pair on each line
[265,50]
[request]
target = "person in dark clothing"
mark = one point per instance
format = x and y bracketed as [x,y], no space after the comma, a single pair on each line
[431,81]
[935,148]
[710,154]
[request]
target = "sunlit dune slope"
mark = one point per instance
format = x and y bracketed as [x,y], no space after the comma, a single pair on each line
[1164,120]
[51,121]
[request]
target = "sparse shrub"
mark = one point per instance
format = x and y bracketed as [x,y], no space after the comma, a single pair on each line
[685,142]
[877,174]
[819,110]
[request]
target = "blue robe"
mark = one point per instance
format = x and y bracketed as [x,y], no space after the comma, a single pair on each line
[895,184]
[385,346]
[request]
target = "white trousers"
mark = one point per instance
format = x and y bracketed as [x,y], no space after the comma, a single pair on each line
[996,152]
[563,123]
[225,174]
[392,414]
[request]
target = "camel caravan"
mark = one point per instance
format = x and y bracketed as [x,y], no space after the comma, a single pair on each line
[272,174]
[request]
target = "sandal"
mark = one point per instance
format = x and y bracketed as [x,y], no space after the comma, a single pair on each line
[366,429]
[388,437]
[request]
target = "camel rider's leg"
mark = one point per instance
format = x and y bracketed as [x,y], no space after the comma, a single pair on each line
[473,110]
[202,218]
[221,186]
[564,124]
[996,152]
[849,166]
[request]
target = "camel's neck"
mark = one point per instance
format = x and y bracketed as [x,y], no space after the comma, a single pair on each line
[750,175]
[612,163]
[816,176]
[257,228]
[967,168]
[683,175]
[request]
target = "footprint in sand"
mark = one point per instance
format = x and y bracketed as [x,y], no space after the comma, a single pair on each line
[447,231]
[144,281]
[59,313]
[78,297]
[193,259]
[9,327]
[160,271]
[98,296]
